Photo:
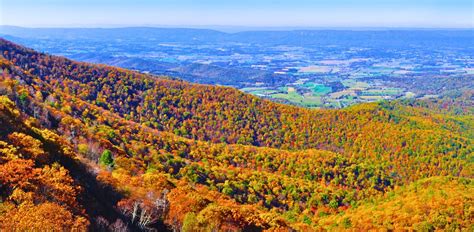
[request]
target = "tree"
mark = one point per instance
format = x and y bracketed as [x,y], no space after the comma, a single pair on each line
[42,217]
[190,222]
[106,158]
[29,147]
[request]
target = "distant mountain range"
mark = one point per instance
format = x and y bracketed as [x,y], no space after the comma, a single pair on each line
[292,37]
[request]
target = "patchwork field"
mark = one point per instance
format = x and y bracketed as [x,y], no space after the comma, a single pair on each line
[316,94]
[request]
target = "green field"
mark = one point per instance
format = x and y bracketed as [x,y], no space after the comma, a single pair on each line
[318,89]
[382,92]
[350,83]
[291,95]
[314,94]
[259,91]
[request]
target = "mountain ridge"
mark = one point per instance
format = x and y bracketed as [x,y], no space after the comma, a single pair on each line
[203,36]
[326,161]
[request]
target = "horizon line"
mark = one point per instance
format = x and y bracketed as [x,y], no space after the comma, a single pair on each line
[224,28]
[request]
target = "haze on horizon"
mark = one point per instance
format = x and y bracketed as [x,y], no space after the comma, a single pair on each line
[242,13]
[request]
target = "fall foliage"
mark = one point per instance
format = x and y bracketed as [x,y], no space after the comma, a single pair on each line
[156,153]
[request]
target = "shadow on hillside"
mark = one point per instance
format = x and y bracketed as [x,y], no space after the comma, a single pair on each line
[100,199]
[97,198]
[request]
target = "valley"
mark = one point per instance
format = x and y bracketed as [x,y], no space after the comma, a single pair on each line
[107,148]
[314,69]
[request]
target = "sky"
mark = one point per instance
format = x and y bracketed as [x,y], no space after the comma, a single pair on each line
[246,13]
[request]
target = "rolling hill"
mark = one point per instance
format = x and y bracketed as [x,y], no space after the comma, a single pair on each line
[114,149]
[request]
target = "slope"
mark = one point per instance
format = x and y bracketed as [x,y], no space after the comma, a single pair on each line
[436,203]
[182,152]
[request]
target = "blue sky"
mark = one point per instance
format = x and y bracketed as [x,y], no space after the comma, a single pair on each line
[250,13]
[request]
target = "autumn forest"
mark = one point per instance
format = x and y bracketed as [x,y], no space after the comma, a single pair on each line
[94,147]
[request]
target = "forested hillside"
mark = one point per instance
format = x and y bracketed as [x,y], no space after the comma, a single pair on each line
[192,157]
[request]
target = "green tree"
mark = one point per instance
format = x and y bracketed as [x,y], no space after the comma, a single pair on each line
[106,158]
